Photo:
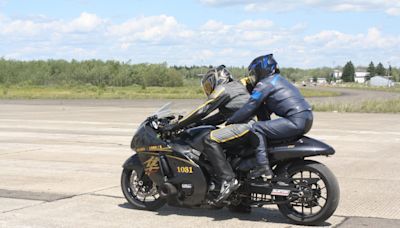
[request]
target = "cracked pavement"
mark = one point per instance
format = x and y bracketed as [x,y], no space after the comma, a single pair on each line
[60,165]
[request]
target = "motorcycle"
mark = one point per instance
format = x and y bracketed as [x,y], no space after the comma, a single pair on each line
[168,167]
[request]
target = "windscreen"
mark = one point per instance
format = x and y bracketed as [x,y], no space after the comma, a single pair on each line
[164,111]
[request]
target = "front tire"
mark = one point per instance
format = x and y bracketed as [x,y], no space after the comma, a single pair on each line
[322,196]
[140,191]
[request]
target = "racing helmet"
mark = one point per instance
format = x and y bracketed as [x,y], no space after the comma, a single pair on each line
[262,67]
[214,77]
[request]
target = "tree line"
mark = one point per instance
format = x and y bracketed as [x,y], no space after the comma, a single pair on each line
[116,73]
[349,71]
[94,72]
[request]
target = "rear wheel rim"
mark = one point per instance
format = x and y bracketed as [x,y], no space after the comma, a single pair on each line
[315,195]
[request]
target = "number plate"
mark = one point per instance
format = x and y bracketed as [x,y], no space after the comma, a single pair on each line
[184,169]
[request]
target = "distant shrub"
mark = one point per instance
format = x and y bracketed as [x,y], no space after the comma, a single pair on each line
[93,72]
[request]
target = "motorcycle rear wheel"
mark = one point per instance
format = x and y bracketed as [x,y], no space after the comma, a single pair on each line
[323,196]
[140,191]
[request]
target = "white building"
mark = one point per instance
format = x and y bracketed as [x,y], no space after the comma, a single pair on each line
[360,76]
[337,74]
[381,81]
[321,80]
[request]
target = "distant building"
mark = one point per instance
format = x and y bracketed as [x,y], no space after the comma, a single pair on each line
[321,80]
[337,74]
[360,76]
[381,81]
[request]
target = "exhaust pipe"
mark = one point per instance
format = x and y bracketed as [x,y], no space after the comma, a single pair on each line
[167,190]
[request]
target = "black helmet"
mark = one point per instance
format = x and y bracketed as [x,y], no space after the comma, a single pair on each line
[214,77]
[262,67]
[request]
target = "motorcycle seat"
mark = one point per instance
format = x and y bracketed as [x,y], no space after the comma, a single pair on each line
[278,142]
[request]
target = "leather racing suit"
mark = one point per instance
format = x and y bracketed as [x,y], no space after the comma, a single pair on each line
[274,94]
[227,98]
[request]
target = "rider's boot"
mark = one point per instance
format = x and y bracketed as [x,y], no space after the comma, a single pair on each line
[227,187]
[263,171]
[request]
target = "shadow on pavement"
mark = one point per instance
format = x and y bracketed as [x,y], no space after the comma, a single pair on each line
[257,214]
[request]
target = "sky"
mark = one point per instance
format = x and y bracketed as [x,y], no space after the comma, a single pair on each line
[300,33]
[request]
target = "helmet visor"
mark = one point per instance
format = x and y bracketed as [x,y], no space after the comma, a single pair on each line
[207,87]
[252,72]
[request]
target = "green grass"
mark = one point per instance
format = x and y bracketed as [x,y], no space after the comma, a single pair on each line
[394,89]
[93,92]
[371,106]
[188,92]
[132,92]
[318,93]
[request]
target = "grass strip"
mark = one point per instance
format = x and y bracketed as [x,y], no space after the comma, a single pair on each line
[369,106]
[131,92]
[394,89]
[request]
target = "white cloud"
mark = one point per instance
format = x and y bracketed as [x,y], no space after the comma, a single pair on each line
[206,54]
[86,22]
[212,25]
[222,2]
[244,33]
[393,11]
[150,29]
[391,7]
[337,46]
[337,40]
[163,38]
[29,27]
[347,7]
[271,6]
[255,24]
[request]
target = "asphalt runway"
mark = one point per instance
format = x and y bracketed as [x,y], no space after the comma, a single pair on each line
[60,165]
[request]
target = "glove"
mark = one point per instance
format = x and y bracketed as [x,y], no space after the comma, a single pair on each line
[196,124]
[192,125]
[170,127]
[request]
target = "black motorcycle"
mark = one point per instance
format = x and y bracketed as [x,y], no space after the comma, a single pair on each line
[168,167]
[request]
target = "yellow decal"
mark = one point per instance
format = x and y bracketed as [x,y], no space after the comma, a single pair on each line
[214,94]
[151,165]
[184,169]
[228,139]
[153,148]
[140,149]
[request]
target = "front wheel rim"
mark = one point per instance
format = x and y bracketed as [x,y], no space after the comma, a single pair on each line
[142,189]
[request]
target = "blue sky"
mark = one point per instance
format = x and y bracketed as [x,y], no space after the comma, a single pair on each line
[300,33]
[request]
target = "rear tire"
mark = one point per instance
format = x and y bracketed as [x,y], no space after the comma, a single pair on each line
[140,191]
[330,186]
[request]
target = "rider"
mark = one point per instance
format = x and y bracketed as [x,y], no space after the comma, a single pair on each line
[228,96]
[273,94]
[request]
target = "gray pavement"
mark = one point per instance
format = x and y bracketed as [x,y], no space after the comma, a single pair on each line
[60,164]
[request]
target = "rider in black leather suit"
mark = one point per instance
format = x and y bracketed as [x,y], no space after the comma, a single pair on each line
[274,94]
[227,96]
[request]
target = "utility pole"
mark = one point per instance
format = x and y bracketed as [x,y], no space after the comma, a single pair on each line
[389,73]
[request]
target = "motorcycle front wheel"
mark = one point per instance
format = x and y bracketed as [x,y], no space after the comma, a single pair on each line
[319,198]
[140,191]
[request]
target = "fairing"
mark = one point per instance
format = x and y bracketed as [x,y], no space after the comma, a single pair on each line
[304,147]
